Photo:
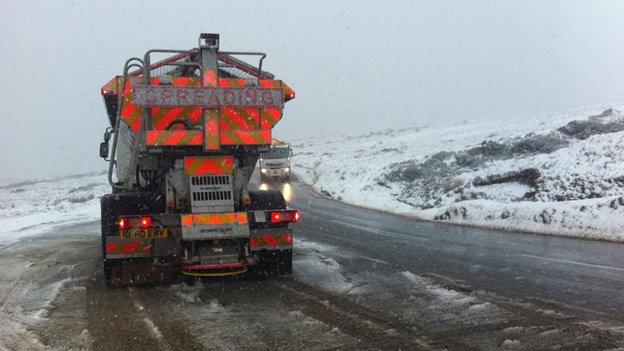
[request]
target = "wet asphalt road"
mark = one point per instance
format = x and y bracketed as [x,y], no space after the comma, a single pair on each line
[570,273]
[362,280]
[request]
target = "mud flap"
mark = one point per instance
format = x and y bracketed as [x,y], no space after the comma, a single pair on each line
[273,263]
[138,272]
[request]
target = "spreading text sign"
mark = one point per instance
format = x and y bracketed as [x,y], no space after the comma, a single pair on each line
[204,97]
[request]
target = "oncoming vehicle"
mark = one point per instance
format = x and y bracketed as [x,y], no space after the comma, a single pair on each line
[275,163]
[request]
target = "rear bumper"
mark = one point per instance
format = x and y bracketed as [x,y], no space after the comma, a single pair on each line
[212,226]
[199,227]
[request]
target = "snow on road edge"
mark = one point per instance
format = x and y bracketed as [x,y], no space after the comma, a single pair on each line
[580,191]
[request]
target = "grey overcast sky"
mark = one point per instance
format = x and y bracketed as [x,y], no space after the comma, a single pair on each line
[356,66]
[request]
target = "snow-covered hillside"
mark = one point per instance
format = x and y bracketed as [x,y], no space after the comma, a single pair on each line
[34,207]
[557,173]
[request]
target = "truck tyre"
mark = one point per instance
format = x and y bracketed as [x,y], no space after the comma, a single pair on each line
[107,209]
[285,266]
[189,280]
[272,262]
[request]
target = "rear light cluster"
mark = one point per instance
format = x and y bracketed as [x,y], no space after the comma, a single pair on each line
[287,216]
[143,222]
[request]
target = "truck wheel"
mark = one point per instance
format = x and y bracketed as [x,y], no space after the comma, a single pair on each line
[274,263]
[286,267]
[189,280]
[283,266]
[111,272]
[107,207]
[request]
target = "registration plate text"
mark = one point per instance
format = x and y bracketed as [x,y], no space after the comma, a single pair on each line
[144,233]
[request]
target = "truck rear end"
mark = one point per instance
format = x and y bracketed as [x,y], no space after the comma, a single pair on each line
[186,133]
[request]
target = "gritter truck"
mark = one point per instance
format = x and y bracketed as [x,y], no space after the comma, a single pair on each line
[185,134]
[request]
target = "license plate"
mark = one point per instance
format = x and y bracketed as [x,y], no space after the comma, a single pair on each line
[144,233]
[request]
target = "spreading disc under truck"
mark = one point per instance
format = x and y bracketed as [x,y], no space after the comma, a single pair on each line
[186,133]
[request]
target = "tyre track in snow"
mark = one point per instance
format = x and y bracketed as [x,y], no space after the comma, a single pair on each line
[160,309]
[381,330]
[136,318]
[375,329]
[115,322]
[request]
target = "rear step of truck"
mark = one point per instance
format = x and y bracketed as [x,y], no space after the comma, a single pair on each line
[215,270]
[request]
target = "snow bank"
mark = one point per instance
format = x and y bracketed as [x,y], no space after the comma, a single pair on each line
[556,173]
[439,292]
[34,207]
[313,262]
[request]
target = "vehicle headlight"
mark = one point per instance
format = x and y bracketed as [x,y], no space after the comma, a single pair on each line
[287,169]
[263,170]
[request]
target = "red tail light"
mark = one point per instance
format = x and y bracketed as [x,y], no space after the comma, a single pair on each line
[287,216]
[146,222]
[123,223]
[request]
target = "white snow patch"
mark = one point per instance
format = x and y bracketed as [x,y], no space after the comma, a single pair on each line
[550,313]
[304,244]
[188,294]
[481,307]
[322,271]
[509,344]
[50,292]
[215,306]
[152,327]
[27,305]
[591,218]
[312,262]
[441,293]
[513,329]
[31,304]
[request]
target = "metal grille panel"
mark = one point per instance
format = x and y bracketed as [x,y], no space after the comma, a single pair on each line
[211,193]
